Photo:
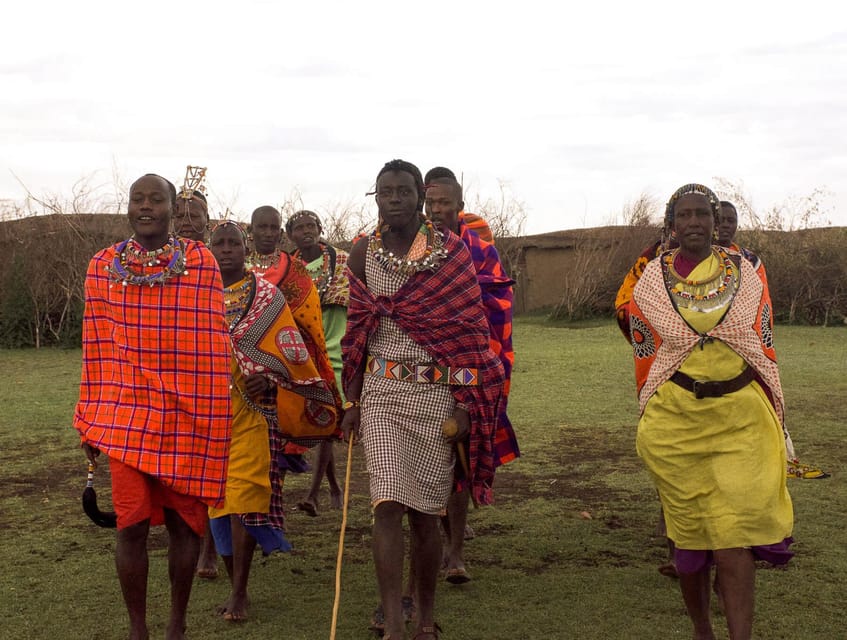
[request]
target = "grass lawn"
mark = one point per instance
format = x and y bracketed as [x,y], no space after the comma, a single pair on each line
[540,569]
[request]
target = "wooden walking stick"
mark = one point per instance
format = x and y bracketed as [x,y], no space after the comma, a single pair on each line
[341,539]
[450,428]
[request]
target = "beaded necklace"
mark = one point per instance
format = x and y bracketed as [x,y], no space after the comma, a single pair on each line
[237,299]
[425,254]
[132,263]
[703,295]
[323,278]
[259,264]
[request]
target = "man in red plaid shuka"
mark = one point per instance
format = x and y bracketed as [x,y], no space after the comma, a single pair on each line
[154,395]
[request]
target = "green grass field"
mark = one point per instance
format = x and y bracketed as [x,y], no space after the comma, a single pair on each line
[540,570]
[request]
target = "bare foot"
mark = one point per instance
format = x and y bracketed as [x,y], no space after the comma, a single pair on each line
[336,499]
[139,634]
[175,631]
[309,507]
[237,610]
[234,609]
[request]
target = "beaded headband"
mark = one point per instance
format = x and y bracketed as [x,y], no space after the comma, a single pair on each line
[230,223]
[684,190]
[305,213]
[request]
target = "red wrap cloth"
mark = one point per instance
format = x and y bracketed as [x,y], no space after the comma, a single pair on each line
[154,392]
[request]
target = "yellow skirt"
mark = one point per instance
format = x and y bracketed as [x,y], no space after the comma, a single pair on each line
[718,463]
[248,484]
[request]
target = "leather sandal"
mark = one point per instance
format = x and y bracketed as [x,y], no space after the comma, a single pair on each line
[433,631]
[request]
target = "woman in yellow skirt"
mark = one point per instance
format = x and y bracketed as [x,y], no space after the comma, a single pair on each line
[712,408]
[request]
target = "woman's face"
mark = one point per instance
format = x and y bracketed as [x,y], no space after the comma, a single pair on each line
[694,224]
[191,218]
[227,245]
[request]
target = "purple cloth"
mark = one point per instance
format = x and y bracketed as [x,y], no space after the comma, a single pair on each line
[689,561]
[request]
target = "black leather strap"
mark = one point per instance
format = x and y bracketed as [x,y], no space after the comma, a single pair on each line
[714,388]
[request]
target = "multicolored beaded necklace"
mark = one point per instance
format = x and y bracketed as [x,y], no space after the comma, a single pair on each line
[237,300]
[259,264]
[323,278]
[425,254]
[132,263]
[703,295]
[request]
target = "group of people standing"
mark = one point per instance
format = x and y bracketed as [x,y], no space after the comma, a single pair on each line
[212,360]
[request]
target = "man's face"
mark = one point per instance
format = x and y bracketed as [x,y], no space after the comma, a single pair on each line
[443,205]
[150,209]
[267,230]
[727,226]
[397,198]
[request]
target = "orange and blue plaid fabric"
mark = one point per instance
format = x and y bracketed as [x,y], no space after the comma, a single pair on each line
[155,381]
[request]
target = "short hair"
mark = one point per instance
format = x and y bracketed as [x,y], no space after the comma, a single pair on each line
[727,203]
[437,173]
[447,181]
[171,187]
[406,167]
[266,209]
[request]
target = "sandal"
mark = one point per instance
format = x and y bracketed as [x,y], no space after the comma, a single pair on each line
[804,471]
[433,631]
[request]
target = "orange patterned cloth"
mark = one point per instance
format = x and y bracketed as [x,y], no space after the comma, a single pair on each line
[291,277]
[154,392]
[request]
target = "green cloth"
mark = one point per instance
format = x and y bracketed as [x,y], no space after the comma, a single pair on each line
[335,324]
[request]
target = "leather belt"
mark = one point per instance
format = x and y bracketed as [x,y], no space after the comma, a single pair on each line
[713,388]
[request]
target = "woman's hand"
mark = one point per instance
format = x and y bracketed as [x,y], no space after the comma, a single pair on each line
[256,384]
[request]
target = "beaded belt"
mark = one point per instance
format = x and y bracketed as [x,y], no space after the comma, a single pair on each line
[424,373]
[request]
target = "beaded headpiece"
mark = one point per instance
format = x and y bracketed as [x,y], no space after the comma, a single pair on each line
[193,184]
[305,213]
[684,190]
[230,223]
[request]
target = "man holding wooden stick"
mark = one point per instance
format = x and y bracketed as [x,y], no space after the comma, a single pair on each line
[416,353]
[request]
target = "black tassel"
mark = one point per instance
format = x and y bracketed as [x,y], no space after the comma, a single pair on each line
[108,519]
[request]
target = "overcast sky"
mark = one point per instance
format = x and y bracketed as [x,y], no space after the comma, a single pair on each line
[577,107]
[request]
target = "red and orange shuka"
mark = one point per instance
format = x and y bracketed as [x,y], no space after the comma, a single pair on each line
[155,381]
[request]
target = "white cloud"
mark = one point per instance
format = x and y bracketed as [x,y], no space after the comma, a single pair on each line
[579,113]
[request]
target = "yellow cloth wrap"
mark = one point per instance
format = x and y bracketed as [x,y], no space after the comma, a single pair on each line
[718,463]
[248,484]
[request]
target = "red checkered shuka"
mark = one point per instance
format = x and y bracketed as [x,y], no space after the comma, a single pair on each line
[155,381]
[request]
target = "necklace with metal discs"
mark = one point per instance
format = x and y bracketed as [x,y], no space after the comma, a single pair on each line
[426,253]
[257,263]
[134,265]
